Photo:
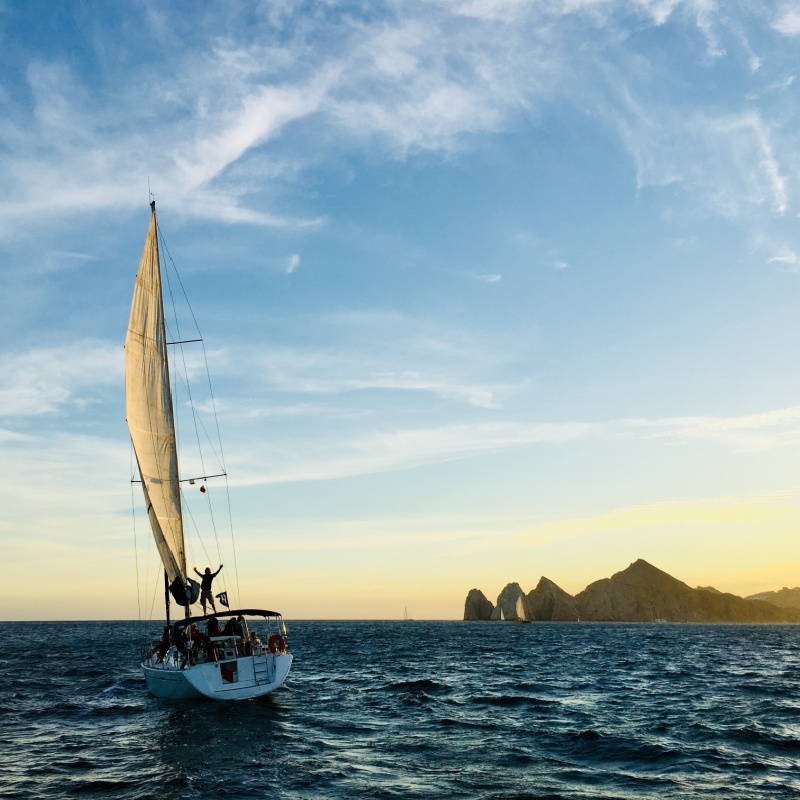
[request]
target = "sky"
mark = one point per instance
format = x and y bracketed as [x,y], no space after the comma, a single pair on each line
[488,291]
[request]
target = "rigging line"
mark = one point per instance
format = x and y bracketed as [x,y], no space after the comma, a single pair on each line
[183,358]
[155,591]
[214,526]
[196,418]
[194,525]
[213,405]
[202,543]
[205,355]
[233,542]
[180,282]
[135,545]
[185,384]
[216,417]
[188,387]
[183,352]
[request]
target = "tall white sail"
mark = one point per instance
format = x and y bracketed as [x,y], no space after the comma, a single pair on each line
[520,609]
[148,403]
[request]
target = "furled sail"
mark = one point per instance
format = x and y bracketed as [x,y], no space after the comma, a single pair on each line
[148,401]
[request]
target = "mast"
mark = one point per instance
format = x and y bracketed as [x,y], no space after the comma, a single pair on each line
[166,595]
[151,417]
[178,499]
[163,326]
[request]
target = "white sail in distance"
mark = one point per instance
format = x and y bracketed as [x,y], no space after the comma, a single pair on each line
[148,405]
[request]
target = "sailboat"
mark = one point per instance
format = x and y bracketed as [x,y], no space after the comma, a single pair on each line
[224,664]
[521,618]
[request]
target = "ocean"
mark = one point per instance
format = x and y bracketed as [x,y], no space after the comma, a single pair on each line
[414,710]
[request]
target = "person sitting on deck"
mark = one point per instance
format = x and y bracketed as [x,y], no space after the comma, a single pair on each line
[198,641]
[213,628]
[180,645]
[162,647]
[252,644]
[235,626]
[205,587]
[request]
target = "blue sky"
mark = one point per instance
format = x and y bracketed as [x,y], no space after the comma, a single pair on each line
[488,290]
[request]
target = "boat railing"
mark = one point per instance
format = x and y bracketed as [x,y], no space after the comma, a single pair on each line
[225,647]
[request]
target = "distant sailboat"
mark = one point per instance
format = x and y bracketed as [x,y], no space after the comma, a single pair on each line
[227,666]
[405,615]
[521,617]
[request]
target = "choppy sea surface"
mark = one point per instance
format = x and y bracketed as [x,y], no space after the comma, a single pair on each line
[415,710]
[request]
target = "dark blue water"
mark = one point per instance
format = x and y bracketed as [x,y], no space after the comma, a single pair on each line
[415,710]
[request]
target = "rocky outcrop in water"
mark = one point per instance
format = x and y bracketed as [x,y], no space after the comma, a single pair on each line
[550,602]
[640,593]
[512,603]
[477,607]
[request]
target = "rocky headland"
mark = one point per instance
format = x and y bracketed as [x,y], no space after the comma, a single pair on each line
[640,593]
[785,598]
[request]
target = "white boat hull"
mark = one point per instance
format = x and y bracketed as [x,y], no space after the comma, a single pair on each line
[242,678]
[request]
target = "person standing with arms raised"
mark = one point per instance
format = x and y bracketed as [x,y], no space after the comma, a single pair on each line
[205,587]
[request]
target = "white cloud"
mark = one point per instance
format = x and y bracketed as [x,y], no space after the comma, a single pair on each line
[397,449]
[44,380]
[356,451]
[788,23]
[786,256]
[750,432]
[214,118]
[57,260]
[292,263]
[492,277]
[380,351]
[728,161]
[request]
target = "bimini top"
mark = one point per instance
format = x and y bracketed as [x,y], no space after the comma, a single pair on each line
[234,612]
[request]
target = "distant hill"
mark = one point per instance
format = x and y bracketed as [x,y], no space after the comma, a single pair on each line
[640,593]
[785,598]
[643,593]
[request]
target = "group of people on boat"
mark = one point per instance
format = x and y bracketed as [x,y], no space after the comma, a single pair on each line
[191,642]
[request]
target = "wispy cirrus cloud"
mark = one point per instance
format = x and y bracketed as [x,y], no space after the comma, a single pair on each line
[785,256]
[749,432]
[400,448]
[47,379]
[385,351]
[366,451]
[729,160]
[213,124]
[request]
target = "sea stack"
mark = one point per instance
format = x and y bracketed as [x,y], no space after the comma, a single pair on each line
[549,602]
[477,607]
[512,604]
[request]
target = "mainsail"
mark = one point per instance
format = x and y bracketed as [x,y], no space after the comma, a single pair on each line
[148,403]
